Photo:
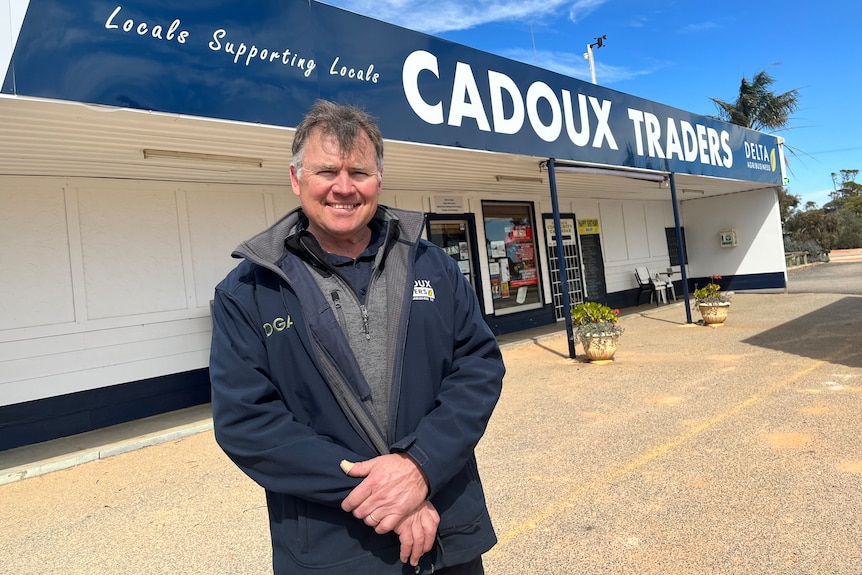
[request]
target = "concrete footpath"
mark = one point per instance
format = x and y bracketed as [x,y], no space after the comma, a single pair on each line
[731,450]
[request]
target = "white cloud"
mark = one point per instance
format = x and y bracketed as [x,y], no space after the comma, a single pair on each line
[819,197]
[573,65]
[451,15]
[583,8]
[566,63]
[699,27]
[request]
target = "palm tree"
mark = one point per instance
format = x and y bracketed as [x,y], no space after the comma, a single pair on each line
[757,107]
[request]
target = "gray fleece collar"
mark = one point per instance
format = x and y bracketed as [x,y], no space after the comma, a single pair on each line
[267,247]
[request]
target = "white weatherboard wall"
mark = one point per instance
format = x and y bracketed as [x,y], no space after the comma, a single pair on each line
[632,234]
[109,281]
[755,217]
[642,224]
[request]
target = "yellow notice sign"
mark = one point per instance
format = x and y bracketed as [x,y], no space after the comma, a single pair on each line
[588,227]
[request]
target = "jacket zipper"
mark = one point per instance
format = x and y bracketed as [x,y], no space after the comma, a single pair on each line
[375,273]
[365,320]
[336,300]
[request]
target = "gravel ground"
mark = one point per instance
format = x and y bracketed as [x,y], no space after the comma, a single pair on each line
[731,450]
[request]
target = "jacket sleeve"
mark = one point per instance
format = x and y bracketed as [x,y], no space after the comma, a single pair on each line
[252,422]
[445,439]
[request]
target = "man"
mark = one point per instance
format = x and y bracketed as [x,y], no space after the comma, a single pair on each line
[353,373]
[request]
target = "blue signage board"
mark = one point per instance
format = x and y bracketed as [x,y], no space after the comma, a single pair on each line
[267,61]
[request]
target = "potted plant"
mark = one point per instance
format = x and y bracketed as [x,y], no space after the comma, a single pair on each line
[598,329]
[712,303]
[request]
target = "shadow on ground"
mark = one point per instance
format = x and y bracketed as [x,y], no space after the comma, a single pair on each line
[830,333]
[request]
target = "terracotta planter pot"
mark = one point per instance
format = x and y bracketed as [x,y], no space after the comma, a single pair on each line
[714,314]
[600,349]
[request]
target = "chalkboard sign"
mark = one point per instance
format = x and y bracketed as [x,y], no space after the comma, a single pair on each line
[672,247]
[594,267]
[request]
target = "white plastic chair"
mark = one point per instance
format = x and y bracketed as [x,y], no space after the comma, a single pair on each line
[668,283]
[647,282]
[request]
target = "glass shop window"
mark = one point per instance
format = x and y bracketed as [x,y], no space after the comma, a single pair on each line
[510,238]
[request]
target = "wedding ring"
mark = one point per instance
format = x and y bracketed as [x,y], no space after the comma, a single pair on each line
[373,518]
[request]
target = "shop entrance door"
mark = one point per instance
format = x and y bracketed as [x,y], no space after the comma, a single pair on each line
[456,234]
[571,253]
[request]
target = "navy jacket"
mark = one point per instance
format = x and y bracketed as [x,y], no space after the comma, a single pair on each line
[287,399]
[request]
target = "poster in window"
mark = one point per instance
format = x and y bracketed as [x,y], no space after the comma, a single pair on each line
[505,277]
[494,273]
[498,249]
[521,251]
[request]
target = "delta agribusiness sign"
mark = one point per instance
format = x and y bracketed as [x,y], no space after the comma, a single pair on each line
[267,61]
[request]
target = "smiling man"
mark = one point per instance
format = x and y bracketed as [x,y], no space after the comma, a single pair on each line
[359,414]
[337,172]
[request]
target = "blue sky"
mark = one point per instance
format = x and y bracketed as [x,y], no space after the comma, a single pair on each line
[681,53]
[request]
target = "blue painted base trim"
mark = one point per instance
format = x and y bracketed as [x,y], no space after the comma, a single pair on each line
[54,417]
[620,299]
[629,298]
[51,418]
[773,280]
[519,321]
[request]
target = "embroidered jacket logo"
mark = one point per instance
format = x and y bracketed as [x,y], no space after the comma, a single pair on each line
[422,290]
[278,324]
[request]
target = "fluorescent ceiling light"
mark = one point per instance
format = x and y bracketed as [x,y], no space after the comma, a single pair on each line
[647,176]
[178,155]
[532,179]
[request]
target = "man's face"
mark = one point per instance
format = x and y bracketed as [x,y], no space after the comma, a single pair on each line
[338,192]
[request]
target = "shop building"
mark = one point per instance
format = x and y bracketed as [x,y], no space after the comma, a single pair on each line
[141,143]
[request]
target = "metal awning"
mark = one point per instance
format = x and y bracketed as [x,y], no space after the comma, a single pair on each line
[64,139]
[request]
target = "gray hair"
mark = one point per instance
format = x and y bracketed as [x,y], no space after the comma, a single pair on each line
[345,123]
